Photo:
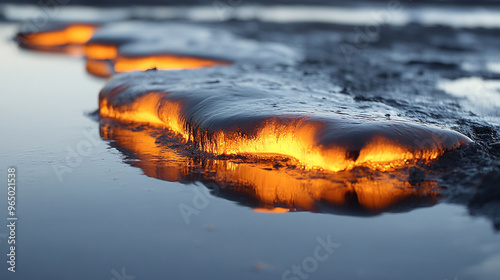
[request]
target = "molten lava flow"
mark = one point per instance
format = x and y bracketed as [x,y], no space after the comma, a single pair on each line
[100,51]
[298,140]
[163,62]
[66,38]
[104,59]
[267,187]
[331,144]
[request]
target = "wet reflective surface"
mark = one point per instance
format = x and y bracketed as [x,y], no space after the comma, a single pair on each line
[194,216]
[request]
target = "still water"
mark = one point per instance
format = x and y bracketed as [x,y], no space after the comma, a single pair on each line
[104,219]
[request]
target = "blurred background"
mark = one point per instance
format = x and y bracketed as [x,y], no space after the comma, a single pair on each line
[209,2]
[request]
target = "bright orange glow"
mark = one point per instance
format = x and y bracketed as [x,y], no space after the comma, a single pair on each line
[100,51]
[77,34]
[163,62]
[274,190]
[294,139]
[145,111]
[104,60]
[297,140]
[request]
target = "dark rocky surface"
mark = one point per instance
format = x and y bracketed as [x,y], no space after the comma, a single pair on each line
[401,67]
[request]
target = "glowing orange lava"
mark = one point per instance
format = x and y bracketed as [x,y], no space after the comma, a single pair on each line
[163,62]
[294,138]
[100,51]
[273,190]
[104,60]
[68,38]
[105,66]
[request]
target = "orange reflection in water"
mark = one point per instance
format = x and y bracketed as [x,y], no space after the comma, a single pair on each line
[269,188]
[99,68]
[275,210]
